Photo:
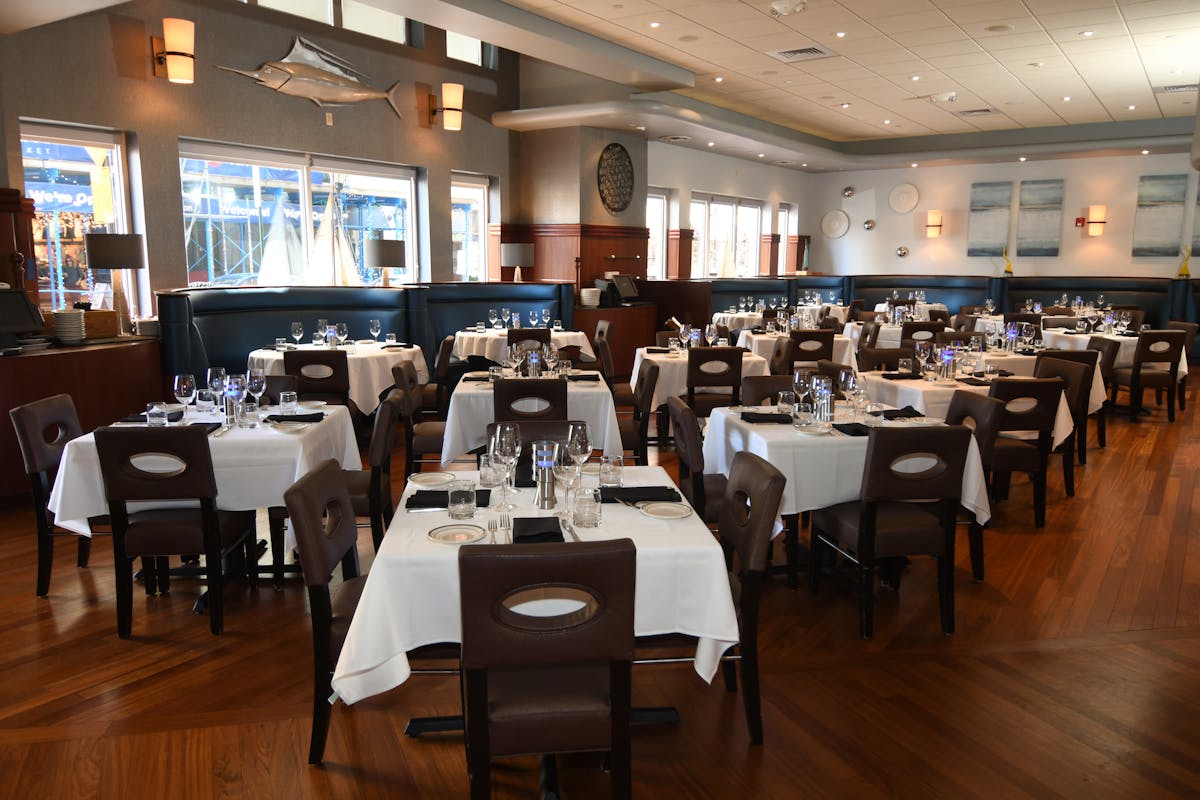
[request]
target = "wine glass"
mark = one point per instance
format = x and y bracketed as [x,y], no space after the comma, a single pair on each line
[516,354]
[533,317]
[216,380]
[256,384]
[545,316]
[493,315]
[506,447]
[185,392]
[297,331]
[374,326]
[990,305]
[568,475]
[710,334]
[322,327]
[343,333]
[771,303]
[846,382]
[1100,301]
[505,314]
[550,357]
[235,393]
[579,443]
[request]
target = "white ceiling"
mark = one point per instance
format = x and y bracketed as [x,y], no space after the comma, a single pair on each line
[1020,58]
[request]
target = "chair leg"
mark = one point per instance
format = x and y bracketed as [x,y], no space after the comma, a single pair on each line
[216,601]
[162,573]
[1102,427]
[1183,393]
[1135,402]
[1068,460]
[1000,483]
[946,591]
[975,540]
[1081,440]
[376,521]
[1171,391]
[866,600]
[84,551]
[275,519]
[45,564]
[750,694]
[321,713]
[150,575]
[251,550]
[123,569]
[1039,498]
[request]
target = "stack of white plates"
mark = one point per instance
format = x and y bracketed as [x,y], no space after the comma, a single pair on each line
[33,343]
[68,325]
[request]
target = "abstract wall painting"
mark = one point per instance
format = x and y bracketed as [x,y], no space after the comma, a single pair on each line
[991,212]
[1158,222]
[1039,221]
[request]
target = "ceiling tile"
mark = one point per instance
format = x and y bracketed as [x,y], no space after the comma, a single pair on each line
[898,23]
[968,60]
[988,12]
[955,48]
[929,36]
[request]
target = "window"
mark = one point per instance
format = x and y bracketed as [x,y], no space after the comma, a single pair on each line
[255,217]
[76,179]
[468,226]
[656,221]
[363,18]
[464,48]
[320,10]
[785,229]
[727,236]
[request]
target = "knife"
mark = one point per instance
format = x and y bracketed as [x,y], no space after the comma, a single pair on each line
[570,529]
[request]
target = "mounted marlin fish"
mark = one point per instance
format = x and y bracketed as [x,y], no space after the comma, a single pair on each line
[314,73]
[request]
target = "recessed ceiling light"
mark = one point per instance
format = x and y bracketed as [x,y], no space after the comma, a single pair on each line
[1023,159]
[762,155]
[1086,34]
[840,35]
[1132,107]
[887,122]
[719,79]
[1037,64]
[804,165]
[1145,152]
[655,24]
[712,144]
[789,81]
[1067,99]
[1003,27]
[640,127]
[913,164]
[916,77]
[845,105]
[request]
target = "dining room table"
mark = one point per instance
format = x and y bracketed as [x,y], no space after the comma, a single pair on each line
[411,596]
[920,310]
[492,343]
[889,334]
[1127,345]
[473,407]
[369,363]
[672,371]
[737,320]
[763,344]
[823,467]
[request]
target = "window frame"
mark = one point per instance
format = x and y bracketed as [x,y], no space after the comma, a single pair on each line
[484,182]
[658,253]
[702,244]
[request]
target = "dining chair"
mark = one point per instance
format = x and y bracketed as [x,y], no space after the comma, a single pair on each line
[964,322]
[907,506]
[1058,322]
[320,374]
[663,338]
[539,685]
[976,340]
[713,370]
[780,362]
[1155,366]
[883,358]
[447,371]
[518,399]
[810,346]
[854,310]
[1030,407]
[833,370]
[830,323]
[1090,361]
[1136,315]
[703,490]
[43,429]
[602,328]
[869,335]
[872,316]
[529,338]
[276,384]
[1076,388]
[1189,329]
[937,315]
[371,489]
[1029,318]
[911,332]
[1108,350]
[1057,311]
[166,464]
[758,390]
[972,310]
[423,439]
[981,414]
[635,429]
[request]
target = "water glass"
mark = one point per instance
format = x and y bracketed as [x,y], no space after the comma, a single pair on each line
[904,366]
[204,401]
[248,414]
[287,402]
[495,374]
[491,471]
[461,499]
[723,342]
[673,345]
[803,417]
[558,325]
[389,338]
[786,402]
[318,338]
[587,508]
[281,343]
[156,414]
[612,470]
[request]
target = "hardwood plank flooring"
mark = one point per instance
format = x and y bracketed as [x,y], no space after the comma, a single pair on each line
[1074,672]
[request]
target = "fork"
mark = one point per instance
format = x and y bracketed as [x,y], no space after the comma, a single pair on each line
[492,525]
[506,524]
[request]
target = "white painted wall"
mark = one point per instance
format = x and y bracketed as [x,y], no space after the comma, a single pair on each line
[1110,181]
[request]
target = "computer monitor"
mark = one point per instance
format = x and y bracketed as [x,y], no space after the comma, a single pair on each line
[625,287]
[18,314]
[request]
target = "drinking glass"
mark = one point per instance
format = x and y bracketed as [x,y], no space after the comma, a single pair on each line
[990,305]
[545,316]
[612,470]
[216,381]
[461,499]
[185,392]
[374,327]
[297,332]
[505,314]
[287,403]
[803,417]
[567,474]
[516,354]
[493,317]
[256,384]
[204,401]
[235,392]
[846,382]
[579,443]
[343,333]
[587,508]
[491,471]
[710,334]
[771,303]
[322,327]
[506,448]
[1100,301]
[550,356]
[156,414]
[1028,304]
[786,402]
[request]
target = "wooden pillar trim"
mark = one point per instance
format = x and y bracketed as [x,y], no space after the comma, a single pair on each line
[768,254]
[679,253]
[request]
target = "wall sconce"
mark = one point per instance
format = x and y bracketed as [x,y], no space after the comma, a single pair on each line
[451,107]
[385,254]
[1096,217]
[175,52]
[933,224]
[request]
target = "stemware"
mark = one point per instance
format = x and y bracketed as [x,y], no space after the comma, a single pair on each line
[847,380]
[256,384]
[297,331]
[506,447]
[322,329]
[216,380]
[579,443]
[568,475]
[342,332]
[550,357]
[545,316]
[516,354]
[505,314]
[374,327]
[710,334]
[493,316]
[533,317]
[185,391]
[235,393]
[990,305]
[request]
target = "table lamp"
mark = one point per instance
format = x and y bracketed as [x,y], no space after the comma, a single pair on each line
[116,252]
[384,254]
[516,255]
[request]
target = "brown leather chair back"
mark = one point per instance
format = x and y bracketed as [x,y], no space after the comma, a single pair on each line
[529,338]
[780,362]
[404,376]
[493,578]
[873,358]
[964,322]
[322,516]
[872,316]
[1160,347]
[970,339]
[893,452]
[643,388]
[1088,359]
[604,358]
[602,326]
[937,315]
[518,399]
[571,352]
[383,434]
[1029,405]
[1108,350]
[54,415]
[760,390]
[854,310]
[189,470]
[972,310]
[921,331]
[833,370]
[445,354]
[1136,316]
[748,511]
[981,414]
[276,384]
[689,447]
[715,366]
[1023,316]
[320,374]
[1189,328]
[662,338]
[869,336]
[811,346]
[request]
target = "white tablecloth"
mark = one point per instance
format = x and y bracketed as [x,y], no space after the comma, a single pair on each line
[473,408]
[920,310]
[820,470]
[763,344]
[672,372]
[253,467]
[493,343]
[736,320]
[1076,341]
[412,593]
[837,312]
[370,366]
[1022,366]
[933,399]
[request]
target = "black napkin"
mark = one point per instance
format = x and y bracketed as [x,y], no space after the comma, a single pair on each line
[852,428]
[1131,334]
[898,413]
[758,330]
[209,427]
[1001,374]
[535,530]
[172,416]
[1027,352]
[523,475]
[974,381]
[476,378]
[440,498]
[639,494]
[315,416]
[1067,331]
[901,376]
[766,416]
[657,350]
[398,346]
[587,376]
[480,363]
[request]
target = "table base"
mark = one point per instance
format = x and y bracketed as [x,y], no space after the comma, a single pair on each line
[653,715]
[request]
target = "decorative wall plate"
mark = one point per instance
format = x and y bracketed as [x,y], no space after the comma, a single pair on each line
[903,198]
[614,178]
[834,224]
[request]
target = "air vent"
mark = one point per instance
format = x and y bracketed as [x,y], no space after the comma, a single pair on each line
[799,54]
[675,138]
[977,112]
[1176,89]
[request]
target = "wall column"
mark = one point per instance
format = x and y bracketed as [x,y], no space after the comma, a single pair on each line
[679,253]
[768,254]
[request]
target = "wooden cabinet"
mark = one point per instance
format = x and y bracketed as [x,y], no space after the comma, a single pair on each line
[107,381]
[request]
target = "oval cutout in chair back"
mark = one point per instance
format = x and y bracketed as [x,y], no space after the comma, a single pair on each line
[917,466]
[1159,347]
[548,607]
[331,518]
[55,434]
[157,465]
[1020,405]
[921,336]
[530,405]
[810,344]
[715,367]
[316,371]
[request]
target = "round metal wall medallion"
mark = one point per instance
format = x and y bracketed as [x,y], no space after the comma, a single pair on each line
[614,178]
[903,198]
[834,224]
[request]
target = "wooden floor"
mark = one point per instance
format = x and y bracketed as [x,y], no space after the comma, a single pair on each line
[1075,673]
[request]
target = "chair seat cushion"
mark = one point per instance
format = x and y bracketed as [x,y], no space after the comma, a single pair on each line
[561,709]
[706,401]
[428,436]
[622,394]
[358,482]
[343,603]
[714,490]
[1010,455]
[900,528]
[177,531]
[1153,377]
